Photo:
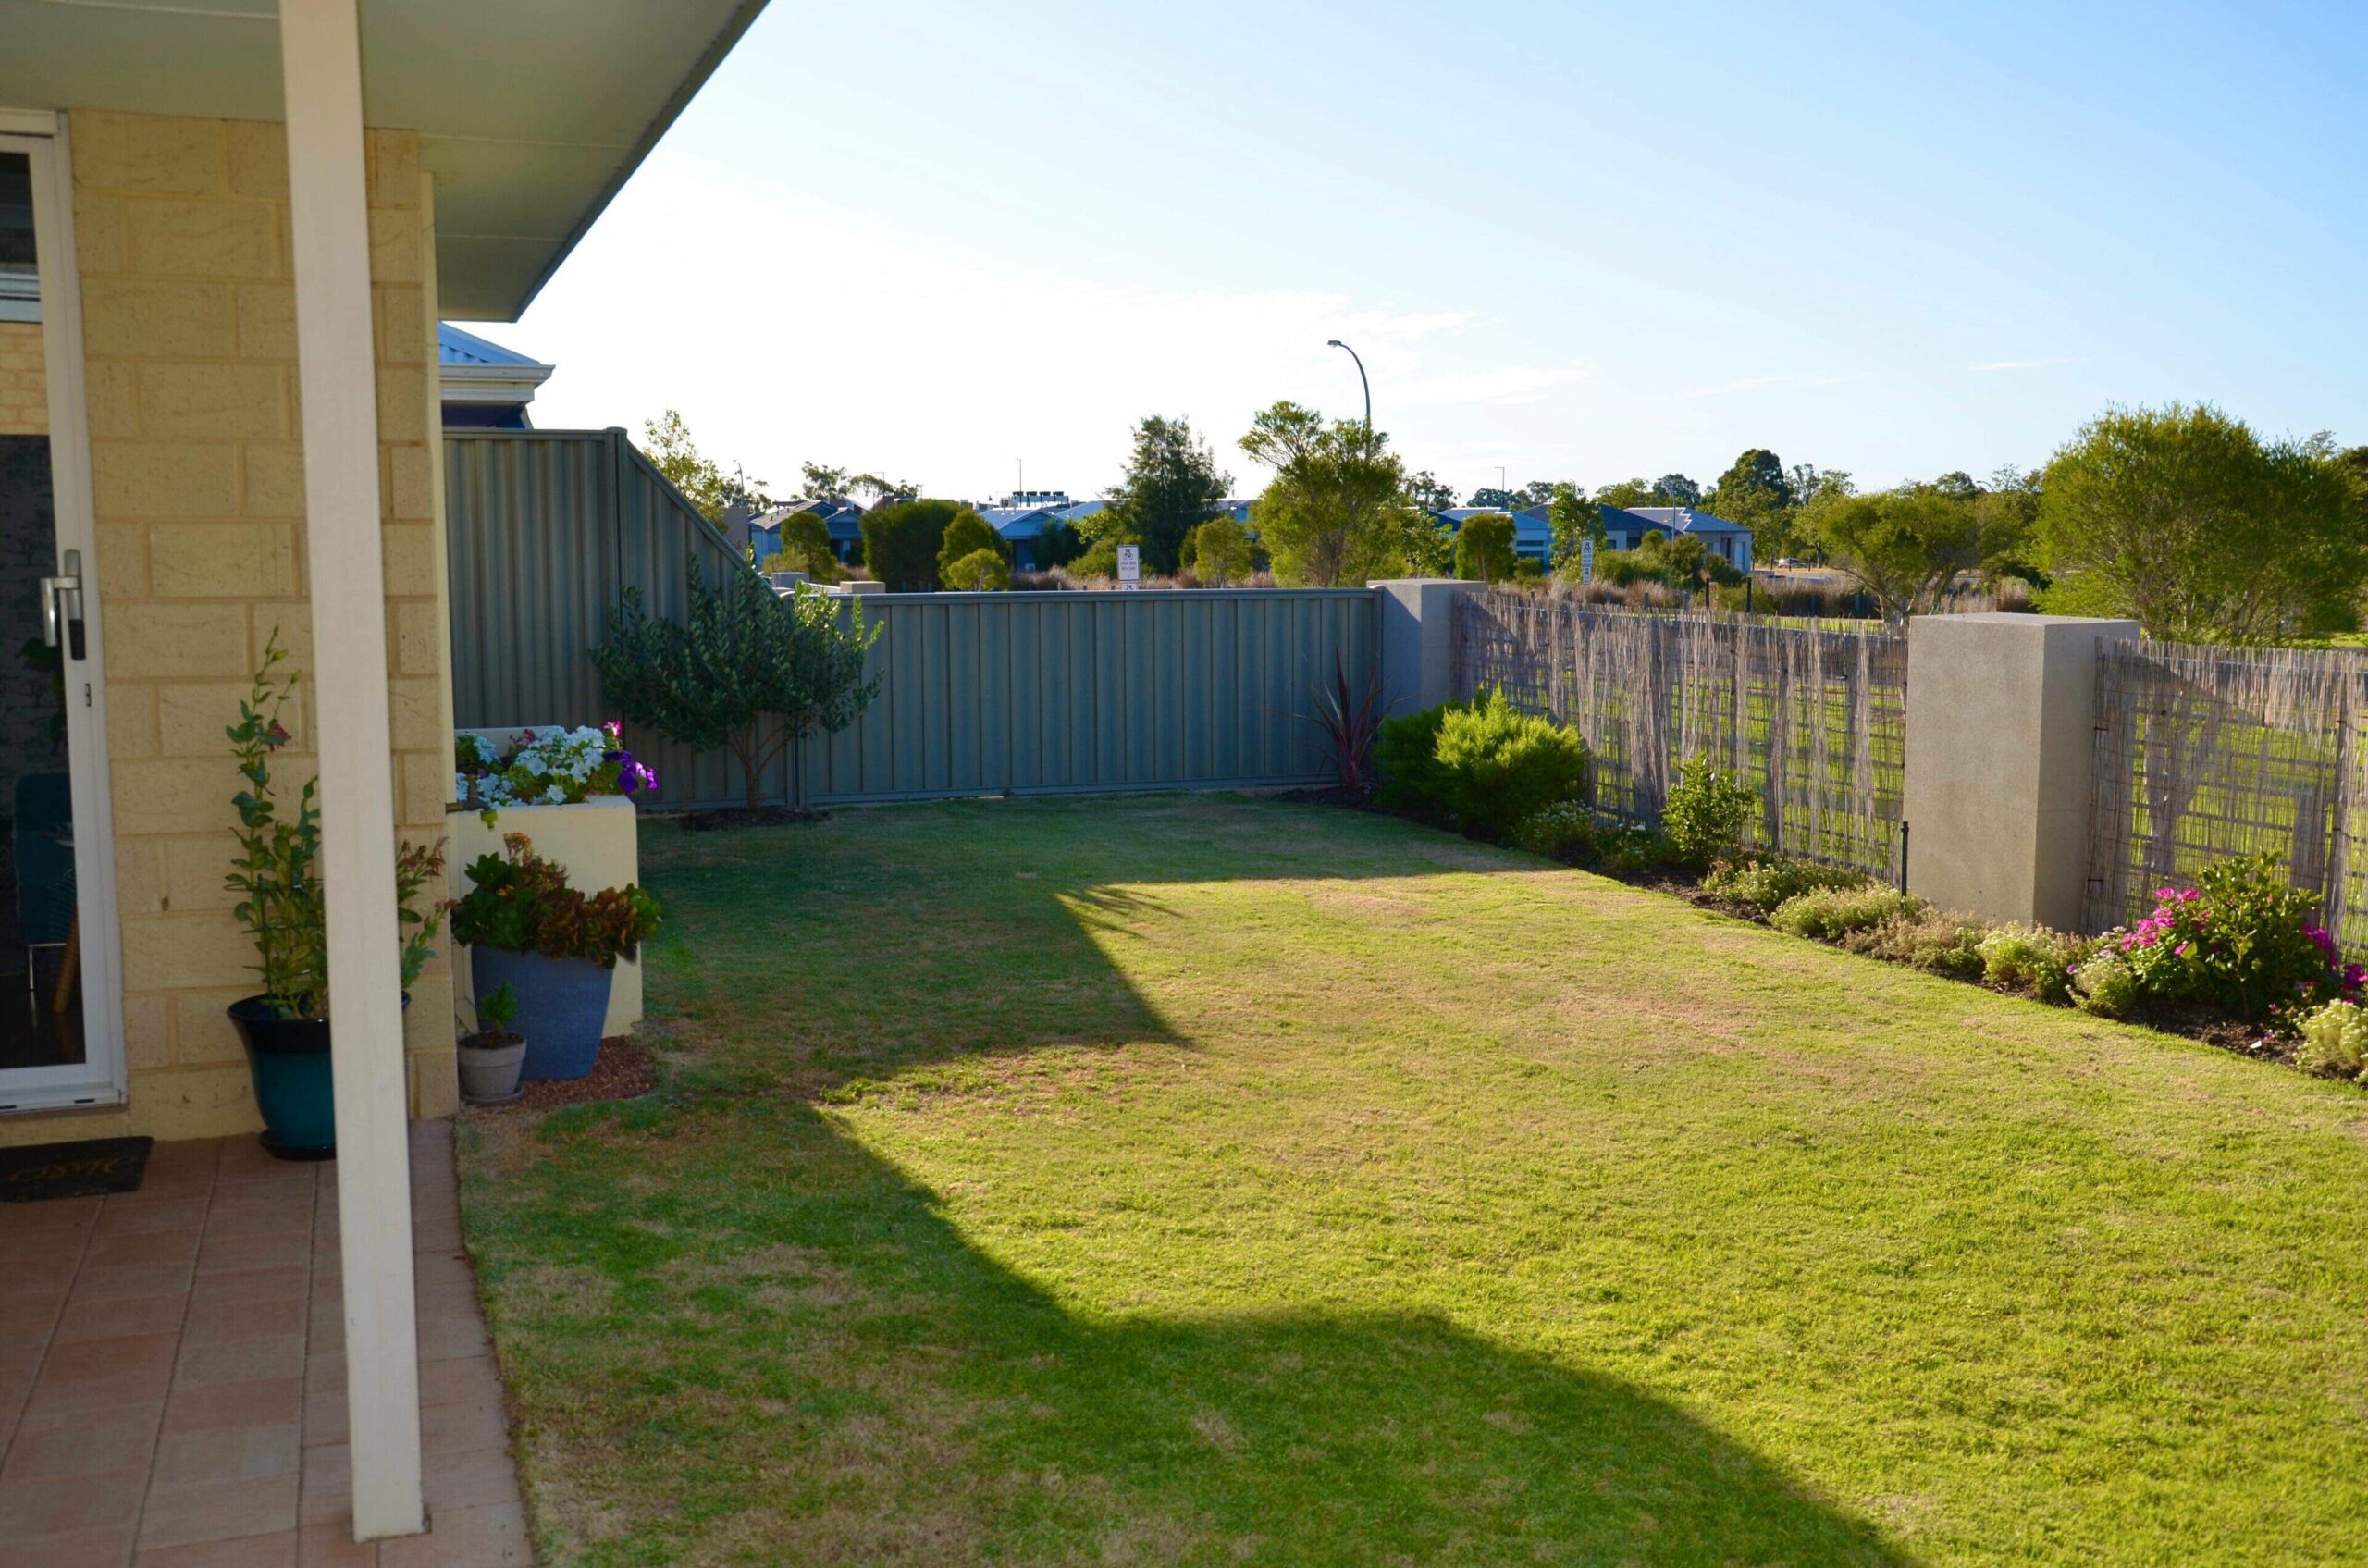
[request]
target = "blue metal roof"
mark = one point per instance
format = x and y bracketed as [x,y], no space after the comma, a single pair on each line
[456,347]
[1017,523]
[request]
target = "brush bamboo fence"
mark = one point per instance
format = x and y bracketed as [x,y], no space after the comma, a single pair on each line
[2205,754]
[1812,717]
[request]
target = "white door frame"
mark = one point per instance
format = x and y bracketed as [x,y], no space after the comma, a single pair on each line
[99,1078]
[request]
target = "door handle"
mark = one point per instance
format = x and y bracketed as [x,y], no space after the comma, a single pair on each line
[61,606]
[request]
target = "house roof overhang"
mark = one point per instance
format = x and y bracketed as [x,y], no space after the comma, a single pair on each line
[531,114]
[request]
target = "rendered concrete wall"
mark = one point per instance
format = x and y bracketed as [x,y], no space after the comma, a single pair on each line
[2000,720]
[1418,641]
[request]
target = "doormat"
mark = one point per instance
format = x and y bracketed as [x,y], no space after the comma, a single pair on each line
[73,1170]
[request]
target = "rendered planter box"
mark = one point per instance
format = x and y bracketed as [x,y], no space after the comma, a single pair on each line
[598,842]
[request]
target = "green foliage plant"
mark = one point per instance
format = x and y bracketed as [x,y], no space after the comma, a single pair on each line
[521,903]
[2027,956]
[1763,882]
[2243,941]
[1564,830]
[497,1010]
[1501,765]
[1705,813]
[1484,548]
[1222,552]
[749,671]
[2104,984]
[2333,1040]
[903,539]
[275,876]
[1829,914]
[1171,483]
[967,535]
[981,571]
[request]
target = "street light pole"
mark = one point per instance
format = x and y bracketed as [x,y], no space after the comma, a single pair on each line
[1336,343]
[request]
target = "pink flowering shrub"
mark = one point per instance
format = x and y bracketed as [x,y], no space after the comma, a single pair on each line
[2243,942]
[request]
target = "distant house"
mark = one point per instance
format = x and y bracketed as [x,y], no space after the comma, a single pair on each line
[841,516]
[485,385]
[1730,542]
[1023,528]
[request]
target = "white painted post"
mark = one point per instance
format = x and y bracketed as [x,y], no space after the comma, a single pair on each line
[321,67]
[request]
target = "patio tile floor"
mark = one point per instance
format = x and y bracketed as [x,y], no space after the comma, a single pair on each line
[172,1374]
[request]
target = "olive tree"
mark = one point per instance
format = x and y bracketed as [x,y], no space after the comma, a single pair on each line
[748,670]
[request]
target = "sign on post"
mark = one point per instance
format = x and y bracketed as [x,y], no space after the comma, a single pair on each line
[1586,559]
[1131,565]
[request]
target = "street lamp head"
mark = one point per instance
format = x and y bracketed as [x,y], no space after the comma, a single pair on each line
[1335,343]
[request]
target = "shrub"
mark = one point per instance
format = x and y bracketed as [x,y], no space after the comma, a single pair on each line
[553,766]
[1100,561]
[901,541]
[2243,941]
[521,903]
[1564,830]
[1765,882]
[1829,914]
[1350,717]
[1631,849]
[1705,813]
[1505,764]
[1484,548]
[981,570]
[2105,986]
[2034,956]
[1925,938]
[749,671]
[1487,766]
[1221,551]
[2335,1040]
[967,535]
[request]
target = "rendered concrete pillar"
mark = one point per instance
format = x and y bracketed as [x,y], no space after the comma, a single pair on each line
[1418,641]
[2001,722]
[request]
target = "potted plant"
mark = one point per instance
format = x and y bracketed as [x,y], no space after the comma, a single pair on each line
[555,946]
[277,878]
[490,1058]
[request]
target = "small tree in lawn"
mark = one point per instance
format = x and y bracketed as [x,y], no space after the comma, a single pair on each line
[748,671]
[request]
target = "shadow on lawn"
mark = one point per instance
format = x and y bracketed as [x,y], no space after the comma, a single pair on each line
[799,1349]
[800,1352]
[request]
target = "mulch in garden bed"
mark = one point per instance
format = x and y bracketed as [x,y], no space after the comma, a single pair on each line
[624,1070]
[730,819]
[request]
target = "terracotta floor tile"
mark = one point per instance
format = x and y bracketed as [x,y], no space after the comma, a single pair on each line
[95,1374]
[283,1282]
[81,1549]
[269,1249]
[139,1247]
[47,1507]
[324,1418]
[238,1453]
[16,1219]
[277,1551]
[462,1380]
[273,1219]
[243,1361]
[150,1214]
[129,1279]
[222,1323]
[122,1315]
[93,1443]
[459,1427]
[332,1546]
[215,1511]
[213,1407]
[30,1312]
[475,1479]
[464,1537]
[328,1486]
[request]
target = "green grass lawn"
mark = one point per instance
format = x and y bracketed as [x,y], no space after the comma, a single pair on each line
[1195,1179]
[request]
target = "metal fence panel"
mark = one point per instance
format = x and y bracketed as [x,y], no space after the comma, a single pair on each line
[1812,717]
[2205,754]
[1059,693]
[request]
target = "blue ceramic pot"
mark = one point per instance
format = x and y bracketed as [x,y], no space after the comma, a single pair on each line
[290,1061]
[561,1004]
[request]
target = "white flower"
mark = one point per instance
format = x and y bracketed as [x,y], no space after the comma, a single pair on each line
[556,796]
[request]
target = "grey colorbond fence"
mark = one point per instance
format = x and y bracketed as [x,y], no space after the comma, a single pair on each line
[1051,693]
[2204,754]
[545,530]
[980,694]
[1811,717]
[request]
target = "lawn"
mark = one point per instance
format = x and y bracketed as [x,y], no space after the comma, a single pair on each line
[1201,1179]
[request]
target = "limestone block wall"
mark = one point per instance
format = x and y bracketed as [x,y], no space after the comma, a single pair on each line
[182,229]
[24,390]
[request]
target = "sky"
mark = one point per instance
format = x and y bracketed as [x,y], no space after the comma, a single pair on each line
[942,241]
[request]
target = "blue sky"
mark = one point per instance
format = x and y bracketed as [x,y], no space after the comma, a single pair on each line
[1581,242]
